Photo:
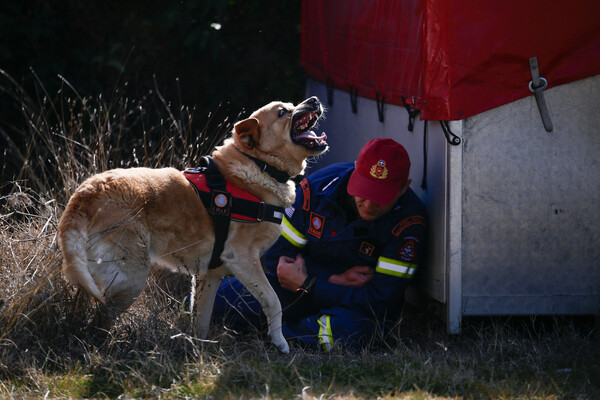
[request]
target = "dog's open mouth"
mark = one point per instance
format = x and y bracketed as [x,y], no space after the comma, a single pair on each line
[304,119]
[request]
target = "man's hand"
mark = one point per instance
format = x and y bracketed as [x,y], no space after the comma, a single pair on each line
[355,276]
[291,273]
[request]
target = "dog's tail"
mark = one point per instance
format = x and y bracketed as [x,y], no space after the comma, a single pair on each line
[72,238]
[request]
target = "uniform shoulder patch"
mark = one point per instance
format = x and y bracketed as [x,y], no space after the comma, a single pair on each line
[409,221]
[408,250]
[305,194]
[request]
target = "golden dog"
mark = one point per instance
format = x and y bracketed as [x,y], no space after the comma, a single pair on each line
[120,222]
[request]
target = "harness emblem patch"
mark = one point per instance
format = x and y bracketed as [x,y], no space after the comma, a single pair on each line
[366,248]
[316,225]
[220,200]
[221,203]
[379,170]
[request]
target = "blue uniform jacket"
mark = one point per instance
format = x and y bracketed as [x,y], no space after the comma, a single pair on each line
[323,228]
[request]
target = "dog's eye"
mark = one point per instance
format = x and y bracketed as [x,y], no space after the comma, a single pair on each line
[282,112]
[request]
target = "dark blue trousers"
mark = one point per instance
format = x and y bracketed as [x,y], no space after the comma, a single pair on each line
[302,320]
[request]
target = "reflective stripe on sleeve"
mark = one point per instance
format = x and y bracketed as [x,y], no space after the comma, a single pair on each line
[394,267]
[292,235]
[325,335]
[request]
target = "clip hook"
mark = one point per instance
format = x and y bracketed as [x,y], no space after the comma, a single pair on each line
[380,103]
[353,97]
[329,86]
[411,114]
[450,136]
[537,85]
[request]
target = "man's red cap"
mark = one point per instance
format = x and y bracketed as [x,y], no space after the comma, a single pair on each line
[381,170]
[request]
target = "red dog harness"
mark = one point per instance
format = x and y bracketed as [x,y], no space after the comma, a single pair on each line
[225,202]
[234,202]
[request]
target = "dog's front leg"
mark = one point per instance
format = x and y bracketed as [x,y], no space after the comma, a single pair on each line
[254,279]
[206,290]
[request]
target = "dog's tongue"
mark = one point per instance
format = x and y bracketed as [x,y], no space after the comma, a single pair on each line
[311,136]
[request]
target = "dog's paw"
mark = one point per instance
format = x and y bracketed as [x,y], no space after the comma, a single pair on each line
[283,346]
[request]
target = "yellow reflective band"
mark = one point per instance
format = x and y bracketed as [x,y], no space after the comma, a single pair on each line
[292,235]
[395,267]
[325,335]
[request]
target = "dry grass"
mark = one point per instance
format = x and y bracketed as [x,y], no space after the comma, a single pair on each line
[45,351]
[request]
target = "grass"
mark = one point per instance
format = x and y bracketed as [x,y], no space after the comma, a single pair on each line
[45,352]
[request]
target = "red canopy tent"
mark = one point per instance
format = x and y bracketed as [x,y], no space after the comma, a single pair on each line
[449,59]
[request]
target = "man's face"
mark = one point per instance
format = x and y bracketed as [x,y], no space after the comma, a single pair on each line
[369,210]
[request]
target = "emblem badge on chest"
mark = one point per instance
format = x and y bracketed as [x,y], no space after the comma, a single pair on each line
[366,248]
[317,222]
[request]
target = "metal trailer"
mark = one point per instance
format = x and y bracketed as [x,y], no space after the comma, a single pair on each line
[514,210]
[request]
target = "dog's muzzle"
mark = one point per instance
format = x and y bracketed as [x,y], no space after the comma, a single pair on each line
[305,118]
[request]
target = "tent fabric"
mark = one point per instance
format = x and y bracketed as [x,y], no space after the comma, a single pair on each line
[367,46]
[450,59]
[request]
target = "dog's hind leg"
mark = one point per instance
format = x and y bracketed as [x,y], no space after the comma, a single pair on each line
[121,269]
[253,278]
[118,300]
[206,289]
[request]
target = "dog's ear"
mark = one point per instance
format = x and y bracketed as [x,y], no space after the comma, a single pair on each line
[248,131]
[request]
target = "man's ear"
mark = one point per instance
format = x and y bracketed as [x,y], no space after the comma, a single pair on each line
[248,131]
[404,187]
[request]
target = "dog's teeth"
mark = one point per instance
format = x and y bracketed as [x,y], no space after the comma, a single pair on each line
[307,120]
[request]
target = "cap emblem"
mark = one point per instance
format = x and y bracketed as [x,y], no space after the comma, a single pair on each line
[379,170]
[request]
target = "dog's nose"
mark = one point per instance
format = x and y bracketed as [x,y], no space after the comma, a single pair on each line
[313,100]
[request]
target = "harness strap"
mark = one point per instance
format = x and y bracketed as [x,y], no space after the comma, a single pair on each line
[223,206]
[217,185]
[252,211]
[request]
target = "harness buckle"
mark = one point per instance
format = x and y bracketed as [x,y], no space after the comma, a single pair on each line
[262,209]
[195,170]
